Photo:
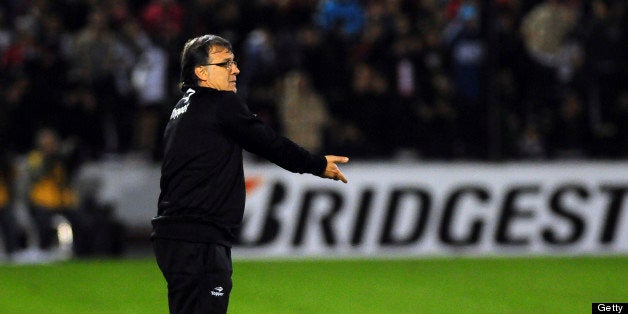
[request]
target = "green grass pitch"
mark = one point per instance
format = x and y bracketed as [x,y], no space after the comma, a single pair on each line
[430,285]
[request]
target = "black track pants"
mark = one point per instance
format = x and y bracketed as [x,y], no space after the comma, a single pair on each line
[198,275]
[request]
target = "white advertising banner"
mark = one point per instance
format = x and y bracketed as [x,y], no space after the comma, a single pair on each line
[413,209]
[438,209]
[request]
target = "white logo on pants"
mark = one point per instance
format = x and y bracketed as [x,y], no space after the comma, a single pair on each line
[217,292]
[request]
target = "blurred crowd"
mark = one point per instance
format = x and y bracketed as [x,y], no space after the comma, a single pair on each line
[432,79]
[85,80]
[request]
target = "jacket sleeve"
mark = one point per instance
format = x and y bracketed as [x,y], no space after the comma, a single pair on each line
[258,138]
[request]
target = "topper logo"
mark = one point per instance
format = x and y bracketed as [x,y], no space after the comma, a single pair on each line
[186,99]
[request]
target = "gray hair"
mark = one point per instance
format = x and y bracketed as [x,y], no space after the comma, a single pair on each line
[195,53]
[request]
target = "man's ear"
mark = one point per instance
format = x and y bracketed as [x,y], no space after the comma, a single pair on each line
[201,73]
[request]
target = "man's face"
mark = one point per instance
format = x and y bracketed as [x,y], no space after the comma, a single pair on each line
[221,70]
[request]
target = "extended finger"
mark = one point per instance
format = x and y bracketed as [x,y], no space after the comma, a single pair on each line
[338,159]
[341,177]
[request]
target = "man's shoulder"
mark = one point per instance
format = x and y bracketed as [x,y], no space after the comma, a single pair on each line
[227,100]
[229,96]
[202,95]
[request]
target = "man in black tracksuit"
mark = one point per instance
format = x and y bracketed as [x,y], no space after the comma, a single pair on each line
[202,180]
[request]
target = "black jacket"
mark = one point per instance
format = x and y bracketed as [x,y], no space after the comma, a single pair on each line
[202,178]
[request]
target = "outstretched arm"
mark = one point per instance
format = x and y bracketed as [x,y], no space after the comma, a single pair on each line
[332,171]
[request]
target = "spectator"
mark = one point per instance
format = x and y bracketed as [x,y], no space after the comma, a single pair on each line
[606,68]
[94,51]
[149,79]
[368,102]
[163,18]
[15,126]
[544,30]
[303,112]
[345,15]
[82,121]
[545,27]
[570,136]
[259,80]
[8,224]
[5,32]
[467,59]
[531,143]
[98,61]
[49,191]
[622,122]
[164,23]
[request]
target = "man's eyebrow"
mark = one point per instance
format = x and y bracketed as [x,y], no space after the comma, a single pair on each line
[227,59]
